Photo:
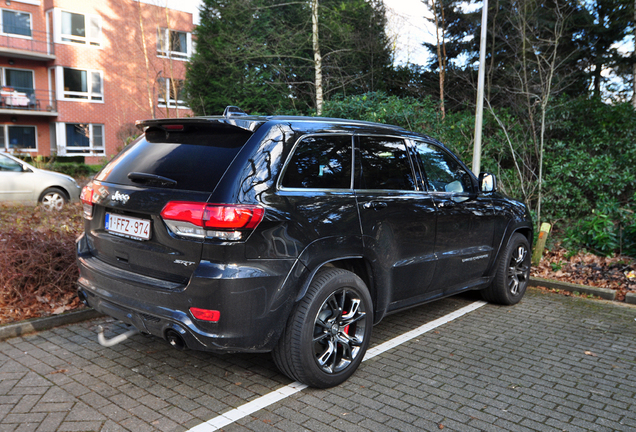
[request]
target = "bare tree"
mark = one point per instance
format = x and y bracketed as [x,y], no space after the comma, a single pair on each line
[317,56]
[149,91]
[536,46]
[440,37]
[172,85]
[546,55]
[634,59]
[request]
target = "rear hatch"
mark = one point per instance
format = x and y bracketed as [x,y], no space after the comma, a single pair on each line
[173,161]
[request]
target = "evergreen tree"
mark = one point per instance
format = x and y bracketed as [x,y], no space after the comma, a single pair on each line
[587,48]
[257,54]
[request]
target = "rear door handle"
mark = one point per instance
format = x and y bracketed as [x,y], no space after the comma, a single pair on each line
[375,205]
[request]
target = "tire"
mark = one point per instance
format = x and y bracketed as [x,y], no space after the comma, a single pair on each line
[328,331]
[53,199]
[513,273]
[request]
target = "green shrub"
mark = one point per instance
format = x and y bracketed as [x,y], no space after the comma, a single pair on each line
[69,165]
[589,171]
[609,229]
[73,169]
[590,159]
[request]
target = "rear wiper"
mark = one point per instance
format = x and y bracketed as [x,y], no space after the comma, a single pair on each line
[151,178]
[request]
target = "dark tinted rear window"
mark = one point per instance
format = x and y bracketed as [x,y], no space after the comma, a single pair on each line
[320,162]
[196,160]
[383,163]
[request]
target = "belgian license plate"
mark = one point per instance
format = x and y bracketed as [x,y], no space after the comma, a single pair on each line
[127,226]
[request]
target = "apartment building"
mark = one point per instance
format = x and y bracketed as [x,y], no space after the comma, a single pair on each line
[76,74]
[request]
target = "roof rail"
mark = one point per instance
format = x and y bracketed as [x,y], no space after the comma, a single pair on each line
[233,111]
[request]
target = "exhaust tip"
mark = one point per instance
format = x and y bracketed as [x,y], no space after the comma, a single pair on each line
[175,340]
[82,296]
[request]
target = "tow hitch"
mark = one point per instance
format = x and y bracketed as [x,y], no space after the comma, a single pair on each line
[113,341]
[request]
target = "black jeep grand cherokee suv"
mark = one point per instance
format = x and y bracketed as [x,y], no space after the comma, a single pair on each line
[293,235]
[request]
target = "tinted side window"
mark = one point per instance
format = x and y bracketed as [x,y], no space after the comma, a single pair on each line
[383,163]
[320,162]
[443,172]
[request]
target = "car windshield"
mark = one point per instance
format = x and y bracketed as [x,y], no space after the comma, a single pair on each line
[8,164]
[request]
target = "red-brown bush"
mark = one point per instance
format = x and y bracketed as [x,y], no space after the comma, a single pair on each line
[38,273]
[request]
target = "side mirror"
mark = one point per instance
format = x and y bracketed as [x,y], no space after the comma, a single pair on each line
[487,183]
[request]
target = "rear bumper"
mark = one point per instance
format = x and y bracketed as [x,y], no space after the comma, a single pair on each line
[252,299]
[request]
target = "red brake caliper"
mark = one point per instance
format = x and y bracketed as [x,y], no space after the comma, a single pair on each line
[346,329]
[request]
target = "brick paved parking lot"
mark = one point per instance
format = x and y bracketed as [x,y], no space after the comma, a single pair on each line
[549,363]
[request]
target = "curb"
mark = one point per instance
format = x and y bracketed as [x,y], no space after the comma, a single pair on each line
[630,298]
[604,293]
[38,324]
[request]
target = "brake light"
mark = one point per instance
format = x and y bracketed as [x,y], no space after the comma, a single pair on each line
[223,221]
[206,314]
[86,197]
[173,127]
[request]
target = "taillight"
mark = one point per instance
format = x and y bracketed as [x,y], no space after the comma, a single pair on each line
[86,197]
[221,221]
[232,217]
[206,314]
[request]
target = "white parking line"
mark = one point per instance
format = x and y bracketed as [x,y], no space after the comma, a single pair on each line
[264,401]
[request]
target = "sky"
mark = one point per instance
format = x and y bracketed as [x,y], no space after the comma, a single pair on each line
[406,26]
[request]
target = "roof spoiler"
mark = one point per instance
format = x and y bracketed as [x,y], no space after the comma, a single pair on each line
[232,117]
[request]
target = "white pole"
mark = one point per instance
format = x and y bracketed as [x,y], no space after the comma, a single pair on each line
[479,113]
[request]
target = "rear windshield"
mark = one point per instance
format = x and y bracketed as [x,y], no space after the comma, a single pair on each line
[195,160]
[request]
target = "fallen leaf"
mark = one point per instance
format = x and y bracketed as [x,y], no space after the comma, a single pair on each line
[59,371]
[441,426]
[59,310]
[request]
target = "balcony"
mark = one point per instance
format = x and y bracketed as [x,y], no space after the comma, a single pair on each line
[27,102]
[37,47]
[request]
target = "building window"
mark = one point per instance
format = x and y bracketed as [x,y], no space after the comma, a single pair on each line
[16,23]
[84,138]
[18,138]
[80,28]
[83,84]
[18,80]
[172,92]
[174,44]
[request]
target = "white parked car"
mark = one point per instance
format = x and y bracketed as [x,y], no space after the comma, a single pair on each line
[21,182]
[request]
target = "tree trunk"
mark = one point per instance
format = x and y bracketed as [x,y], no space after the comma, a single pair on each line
[151,105]
[172,85]
[441,51]
[550,60]
[317,56]
[634,59]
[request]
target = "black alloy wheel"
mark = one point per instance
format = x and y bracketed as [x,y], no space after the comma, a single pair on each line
[339,331]
[513,273]
[328,331]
